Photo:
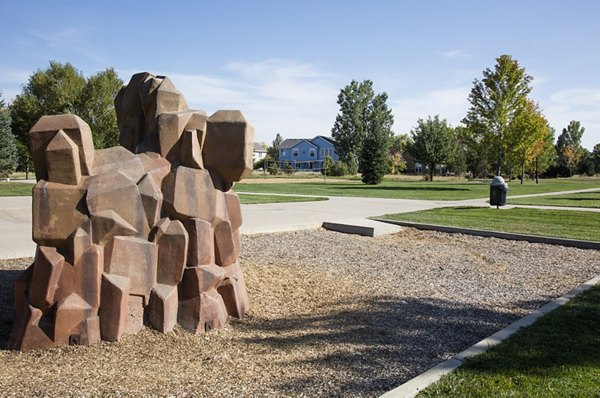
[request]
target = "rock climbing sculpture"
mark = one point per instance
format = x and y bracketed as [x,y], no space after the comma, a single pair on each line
[148,231]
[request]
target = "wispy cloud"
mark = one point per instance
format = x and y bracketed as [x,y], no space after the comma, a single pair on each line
[277,96]
[451,104]
[582,104]
[11,82]
[456,54]
[59,38]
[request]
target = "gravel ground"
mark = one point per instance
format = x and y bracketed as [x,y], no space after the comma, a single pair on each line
[331,315]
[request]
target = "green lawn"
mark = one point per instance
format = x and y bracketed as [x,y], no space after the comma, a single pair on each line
[22,189]
[391,188]
[249,199]
[583,225]
[584,199]
[15,189]
[557,356]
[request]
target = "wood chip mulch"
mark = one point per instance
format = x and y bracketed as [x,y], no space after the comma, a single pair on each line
[331,315]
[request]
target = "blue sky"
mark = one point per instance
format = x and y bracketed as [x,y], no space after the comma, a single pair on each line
[283,62]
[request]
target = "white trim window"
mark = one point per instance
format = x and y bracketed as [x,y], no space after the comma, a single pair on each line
[295,153]
[312,153]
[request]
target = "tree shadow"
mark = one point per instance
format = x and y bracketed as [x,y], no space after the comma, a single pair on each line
[7,306]
[384,340]
[573,199]
[388,188]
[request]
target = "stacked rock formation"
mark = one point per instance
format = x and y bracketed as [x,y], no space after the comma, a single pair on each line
[147,232]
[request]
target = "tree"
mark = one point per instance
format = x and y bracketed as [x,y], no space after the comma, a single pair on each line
[495,102]
[95,105]
[586,164]
[570,158]
[596,156]
[273,150]
[352,121]
[374,154]
[524,136]
[457,162]
[545,154]
[8,146]
[568,145]
[61,89]
[327,166]
[52,91]
[432,142]
[398,145]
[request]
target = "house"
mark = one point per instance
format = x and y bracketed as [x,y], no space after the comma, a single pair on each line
[259,152]
[307,154]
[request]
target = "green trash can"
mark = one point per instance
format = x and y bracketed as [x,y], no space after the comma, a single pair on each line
[498,190]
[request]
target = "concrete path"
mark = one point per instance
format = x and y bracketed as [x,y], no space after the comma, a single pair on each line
[15,227]
[15,216]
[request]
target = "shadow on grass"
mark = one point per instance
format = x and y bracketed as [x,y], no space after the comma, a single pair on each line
[573,199]
[388,188]
[565,337]
[375,344]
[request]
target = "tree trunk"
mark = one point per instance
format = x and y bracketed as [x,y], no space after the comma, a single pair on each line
[431,166]
[522,171]
[536,169]
[499,169]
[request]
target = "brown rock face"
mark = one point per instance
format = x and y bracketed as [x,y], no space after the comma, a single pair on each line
[143,232]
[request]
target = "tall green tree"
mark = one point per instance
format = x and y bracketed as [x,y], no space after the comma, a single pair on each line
[273,150]
[61,89]
[95,105]
[457,161]
[568,145]
[8,145]
[545,154]
[374,154]
[596,156]
[495,101]
[528,129]
[398,145]
[352,121]
[433,141]
[52,91]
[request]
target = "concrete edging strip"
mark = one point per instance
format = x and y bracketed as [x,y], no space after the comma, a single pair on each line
[581,244]
[417,384]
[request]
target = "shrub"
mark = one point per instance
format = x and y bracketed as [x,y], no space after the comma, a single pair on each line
[274,169]
[339,169]
[327,166]
[288,168]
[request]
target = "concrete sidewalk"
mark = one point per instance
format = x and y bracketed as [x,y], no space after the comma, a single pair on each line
[15,216]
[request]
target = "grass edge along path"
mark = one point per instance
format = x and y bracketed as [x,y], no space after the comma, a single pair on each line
[580,225]
[581,199]
[557,356]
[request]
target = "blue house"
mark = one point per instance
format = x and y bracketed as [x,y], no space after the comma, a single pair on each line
[307,154]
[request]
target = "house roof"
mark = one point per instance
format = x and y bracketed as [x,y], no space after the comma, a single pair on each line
[292,142]
[329,139]
[258,147]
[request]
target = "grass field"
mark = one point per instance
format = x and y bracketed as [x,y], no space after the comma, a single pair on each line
[558,356]
[582,225]
[398,189]
[22,189]
[583,199]
[15,189]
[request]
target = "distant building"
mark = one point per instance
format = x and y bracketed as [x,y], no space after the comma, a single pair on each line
[259,152]
[307,154]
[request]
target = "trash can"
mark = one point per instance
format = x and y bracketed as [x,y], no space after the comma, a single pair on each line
[498,190]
